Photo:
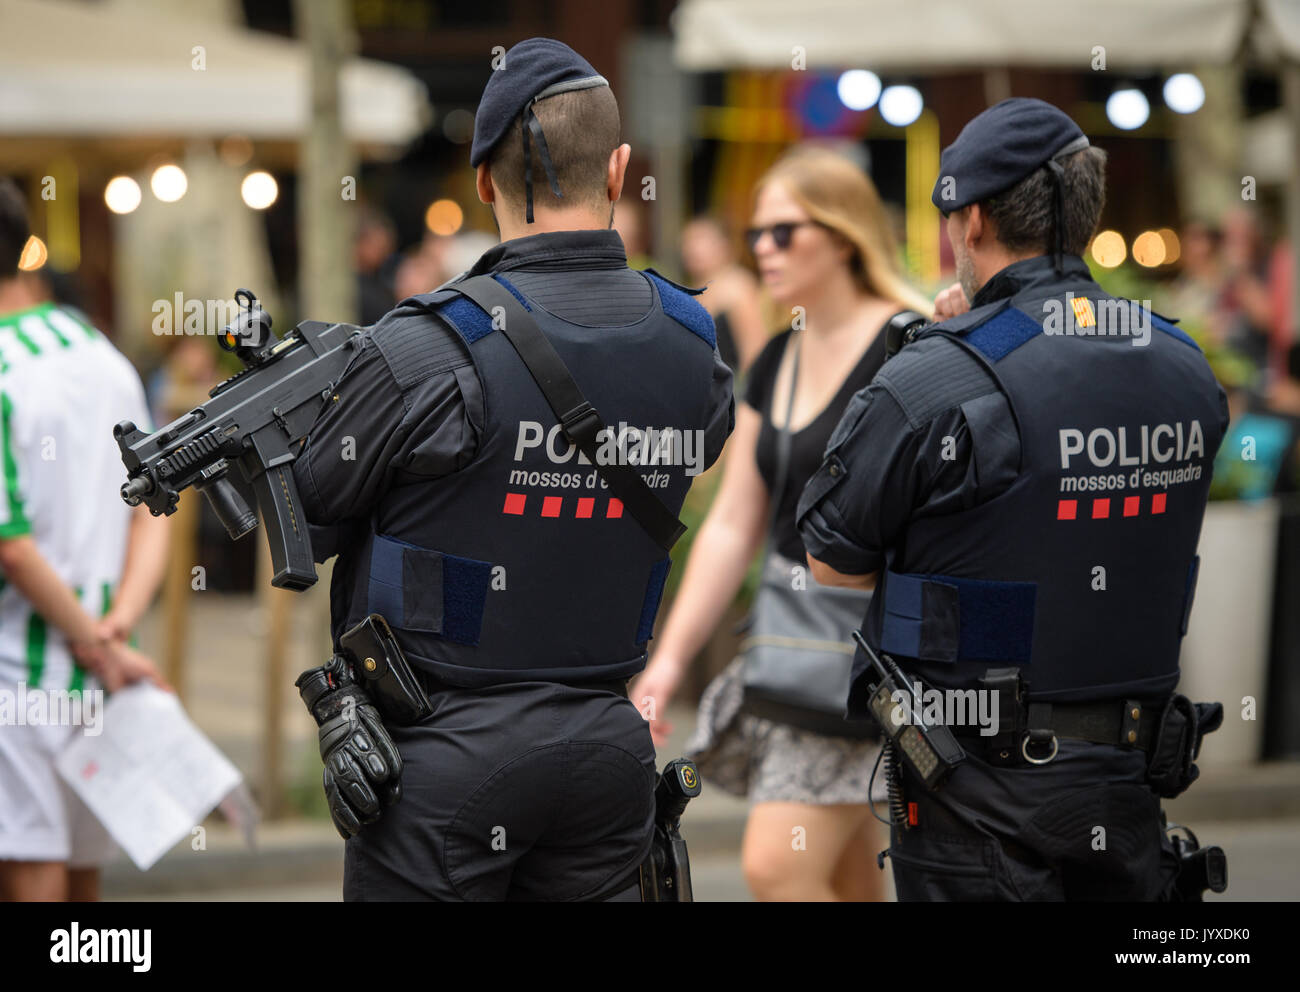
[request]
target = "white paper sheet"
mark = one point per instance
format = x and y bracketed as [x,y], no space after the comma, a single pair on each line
[151,776]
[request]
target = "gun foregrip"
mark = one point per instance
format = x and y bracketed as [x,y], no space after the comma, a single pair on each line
[286,528]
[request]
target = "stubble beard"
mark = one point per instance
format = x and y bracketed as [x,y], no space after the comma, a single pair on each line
[966,276]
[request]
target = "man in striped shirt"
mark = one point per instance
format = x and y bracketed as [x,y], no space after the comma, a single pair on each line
[77,568]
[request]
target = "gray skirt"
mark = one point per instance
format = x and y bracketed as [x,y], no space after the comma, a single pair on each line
[753,757]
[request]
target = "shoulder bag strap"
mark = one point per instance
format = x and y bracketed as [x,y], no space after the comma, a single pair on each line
[784,441]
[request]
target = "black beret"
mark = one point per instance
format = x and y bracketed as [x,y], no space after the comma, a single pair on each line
[533,69]
[1000,147]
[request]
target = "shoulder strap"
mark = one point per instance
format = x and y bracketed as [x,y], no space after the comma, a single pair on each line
[581,422]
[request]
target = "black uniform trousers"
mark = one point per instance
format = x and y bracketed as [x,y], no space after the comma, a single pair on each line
[531,791]
[1083,827]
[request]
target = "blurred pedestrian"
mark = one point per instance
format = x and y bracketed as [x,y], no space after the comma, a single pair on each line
[1247,306]
[1199,287]
[730,291]
[78,567]
[824,250]
[188,371]
[375,259]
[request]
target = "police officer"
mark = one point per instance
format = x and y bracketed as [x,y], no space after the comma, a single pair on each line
[519,569]
[1025,482]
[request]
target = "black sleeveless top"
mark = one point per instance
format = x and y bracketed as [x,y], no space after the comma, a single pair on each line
[807,446]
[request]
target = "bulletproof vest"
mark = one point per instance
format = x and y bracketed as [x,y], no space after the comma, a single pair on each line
[1082,572]
[522,566]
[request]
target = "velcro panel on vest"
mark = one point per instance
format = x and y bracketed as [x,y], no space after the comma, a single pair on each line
[513,291]
[426,591]
[469,319]
[1004,333]
[464,315]
[943,619]
[654,592]
[683,308]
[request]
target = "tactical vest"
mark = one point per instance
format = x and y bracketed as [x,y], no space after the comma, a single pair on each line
[522,566]
[1083,570]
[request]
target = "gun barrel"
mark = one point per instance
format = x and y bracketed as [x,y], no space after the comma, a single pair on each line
[137,489]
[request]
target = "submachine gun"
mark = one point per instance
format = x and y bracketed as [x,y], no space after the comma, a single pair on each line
[254,422]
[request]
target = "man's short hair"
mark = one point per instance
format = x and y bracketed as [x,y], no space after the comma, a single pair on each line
[582,130]
[14,230]
[1023,214]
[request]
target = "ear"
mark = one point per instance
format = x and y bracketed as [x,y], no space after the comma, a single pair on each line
[617,171]
[483,183]
[975,225]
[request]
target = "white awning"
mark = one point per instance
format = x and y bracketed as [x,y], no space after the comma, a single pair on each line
[75,69]
[934,35]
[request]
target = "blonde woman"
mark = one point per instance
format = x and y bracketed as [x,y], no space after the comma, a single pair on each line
[825,252]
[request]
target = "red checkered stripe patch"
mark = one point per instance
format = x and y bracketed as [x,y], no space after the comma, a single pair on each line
[578,507]
[1104,507]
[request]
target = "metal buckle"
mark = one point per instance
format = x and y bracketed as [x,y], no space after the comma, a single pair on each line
[1024,750]
[579,421]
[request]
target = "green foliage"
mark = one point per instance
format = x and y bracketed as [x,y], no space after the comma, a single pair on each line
[304,795]
[1131,282]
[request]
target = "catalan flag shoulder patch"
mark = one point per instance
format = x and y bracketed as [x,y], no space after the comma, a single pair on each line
[1083,313]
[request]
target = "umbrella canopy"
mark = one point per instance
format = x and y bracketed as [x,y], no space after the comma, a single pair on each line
[929,35]
[78,70]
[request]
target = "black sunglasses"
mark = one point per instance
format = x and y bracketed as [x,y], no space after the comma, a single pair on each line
[781,233]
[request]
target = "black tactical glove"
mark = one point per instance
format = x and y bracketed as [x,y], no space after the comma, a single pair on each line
[362,767]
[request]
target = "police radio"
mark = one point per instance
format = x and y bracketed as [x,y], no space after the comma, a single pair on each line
[931,752]
[901,330]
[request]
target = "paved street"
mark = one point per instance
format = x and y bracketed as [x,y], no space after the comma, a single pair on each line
[1263,865]
[1252,815]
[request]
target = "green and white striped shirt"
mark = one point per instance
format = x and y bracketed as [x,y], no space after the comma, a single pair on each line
[62,388]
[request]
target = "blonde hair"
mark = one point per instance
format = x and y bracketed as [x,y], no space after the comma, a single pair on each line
[841,197]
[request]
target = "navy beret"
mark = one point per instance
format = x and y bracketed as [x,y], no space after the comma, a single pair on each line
[1000,147]
[533,69]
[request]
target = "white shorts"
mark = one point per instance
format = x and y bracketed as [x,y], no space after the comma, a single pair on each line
[41,819]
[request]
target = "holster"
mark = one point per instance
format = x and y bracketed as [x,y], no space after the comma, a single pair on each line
[1199,868]
[666,872]
[384,672]
[1003,748]
[1177,743]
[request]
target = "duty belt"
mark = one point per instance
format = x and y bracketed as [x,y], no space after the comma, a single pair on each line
[1033,732]
[432,684]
